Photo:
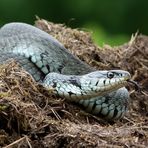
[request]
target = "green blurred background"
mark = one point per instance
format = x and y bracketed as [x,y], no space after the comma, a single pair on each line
[110,21]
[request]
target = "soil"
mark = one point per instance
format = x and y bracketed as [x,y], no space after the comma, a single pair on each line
[31,116]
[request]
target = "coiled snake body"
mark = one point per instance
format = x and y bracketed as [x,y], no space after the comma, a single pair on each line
[102,93]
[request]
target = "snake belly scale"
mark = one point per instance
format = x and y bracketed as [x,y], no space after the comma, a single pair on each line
[101,93]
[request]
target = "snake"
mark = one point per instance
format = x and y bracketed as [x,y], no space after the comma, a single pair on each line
[101,93]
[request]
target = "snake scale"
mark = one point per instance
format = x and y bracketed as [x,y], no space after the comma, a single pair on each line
[101,93]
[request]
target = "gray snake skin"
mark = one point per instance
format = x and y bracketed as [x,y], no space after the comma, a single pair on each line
[101,93]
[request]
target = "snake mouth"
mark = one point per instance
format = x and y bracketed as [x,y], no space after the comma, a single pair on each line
[136,85]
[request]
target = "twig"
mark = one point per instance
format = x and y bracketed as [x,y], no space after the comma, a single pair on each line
[18,141]
[144,93]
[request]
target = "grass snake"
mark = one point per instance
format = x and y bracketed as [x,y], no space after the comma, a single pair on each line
[101,93]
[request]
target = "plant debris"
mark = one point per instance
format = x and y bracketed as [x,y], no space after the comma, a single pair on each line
[31,116]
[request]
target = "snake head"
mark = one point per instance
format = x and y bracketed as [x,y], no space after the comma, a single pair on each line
[125,75]
[96,83]
[103,82]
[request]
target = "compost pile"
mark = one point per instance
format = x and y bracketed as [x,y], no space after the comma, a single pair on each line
[31,116]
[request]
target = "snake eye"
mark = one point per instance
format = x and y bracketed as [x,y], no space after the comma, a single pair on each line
[110,75]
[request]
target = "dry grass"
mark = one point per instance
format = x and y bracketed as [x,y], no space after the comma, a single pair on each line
[30,116]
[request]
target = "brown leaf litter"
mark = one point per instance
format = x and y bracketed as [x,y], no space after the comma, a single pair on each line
[30,116]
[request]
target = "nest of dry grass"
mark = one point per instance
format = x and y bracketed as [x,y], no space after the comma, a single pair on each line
[30,116]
